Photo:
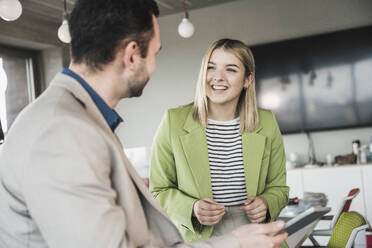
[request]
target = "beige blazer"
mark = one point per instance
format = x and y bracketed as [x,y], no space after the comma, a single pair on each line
[66,182]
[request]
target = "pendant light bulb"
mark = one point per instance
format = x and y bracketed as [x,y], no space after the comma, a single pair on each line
[10,10]
[186,28]
[64,32]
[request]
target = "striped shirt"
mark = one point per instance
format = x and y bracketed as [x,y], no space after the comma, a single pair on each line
[226,162]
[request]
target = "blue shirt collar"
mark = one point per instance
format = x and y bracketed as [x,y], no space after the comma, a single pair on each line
[111,116]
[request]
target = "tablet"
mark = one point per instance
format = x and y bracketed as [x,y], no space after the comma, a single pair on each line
[304,219]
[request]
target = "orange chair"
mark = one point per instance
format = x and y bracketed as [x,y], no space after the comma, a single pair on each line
[344,207]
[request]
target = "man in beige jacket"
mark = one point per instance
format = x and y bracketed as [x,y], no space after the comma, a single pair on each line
[64,178]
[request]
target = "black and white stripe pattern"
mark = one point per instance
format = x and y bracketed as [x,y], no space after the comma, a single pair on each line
[226,162]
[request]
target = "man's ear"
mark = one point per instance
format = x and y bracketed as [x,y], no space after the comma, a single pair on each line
[131,55]
[248,80]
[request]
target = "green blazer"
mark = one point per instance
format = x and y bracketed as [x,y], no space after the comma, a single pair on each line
[180,175]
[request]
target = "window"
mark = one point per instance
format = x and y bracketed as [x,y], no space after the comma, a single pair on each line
[3,86]
[17,87]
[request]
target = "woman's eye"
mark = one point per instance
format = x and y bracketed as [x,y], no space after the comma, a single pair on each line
[230,69]
[210,68]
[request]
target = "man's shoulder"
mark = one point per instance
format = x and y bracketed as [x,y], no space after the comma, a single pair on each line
[55,107]
[55,102]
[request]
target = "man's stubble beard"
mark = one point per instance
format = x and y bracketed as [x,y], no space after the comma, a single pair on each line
[138,81]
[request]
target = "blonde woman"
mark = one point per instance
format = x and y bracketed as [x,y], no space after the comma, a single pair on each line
[219,163]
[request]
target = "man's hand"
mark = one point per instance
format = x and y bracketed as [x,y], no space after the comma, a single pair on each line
[255,208]
[208,212]
[257,235]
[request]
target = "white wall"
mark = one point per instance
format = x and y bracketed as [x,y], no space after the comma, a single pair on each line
[52,61]
[254,22]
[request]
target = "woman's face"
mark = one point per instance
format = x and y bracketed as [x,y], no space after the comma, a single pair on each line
[225,78]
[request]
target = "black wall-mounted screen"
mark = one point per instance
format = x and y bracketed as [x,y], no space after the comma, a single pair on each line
[317,83]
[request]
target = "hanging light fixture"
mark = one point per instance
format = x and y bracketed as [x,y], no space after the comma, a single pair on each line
[63,30]
[185,28]
[10,10]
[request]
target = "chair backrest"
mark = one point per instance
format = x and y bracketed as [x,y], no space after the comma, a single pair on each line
[346,229]
[352,194]
[345,205]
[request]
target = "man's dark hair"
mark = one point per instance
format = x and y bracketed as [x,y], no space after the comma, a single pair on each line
[99,27]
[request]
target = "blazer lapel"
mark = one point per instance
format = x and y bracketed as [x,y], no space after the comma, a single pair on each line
[137,225]
[253,149]
[195,147]
[141,186]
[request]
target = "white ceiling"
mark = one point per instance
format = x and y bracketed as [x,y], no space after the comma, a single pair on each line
[51,10]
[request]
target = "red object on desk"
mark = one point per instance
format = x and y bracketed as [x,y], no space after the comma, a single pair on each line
[369,238]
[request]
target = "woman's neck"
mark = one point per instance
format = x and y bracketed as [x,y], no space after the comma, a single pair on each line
[222,112]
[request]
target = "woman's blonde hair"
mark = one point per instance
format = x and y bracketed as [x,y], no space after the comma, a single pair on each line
[247,105]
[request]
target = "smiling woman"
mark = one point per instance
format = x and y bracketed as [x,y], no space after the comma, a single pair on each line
[219,163]
[224,82]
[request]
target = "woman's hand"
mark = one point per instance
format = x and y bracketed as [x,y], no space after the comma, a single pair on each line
[208,212]
[255,208]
